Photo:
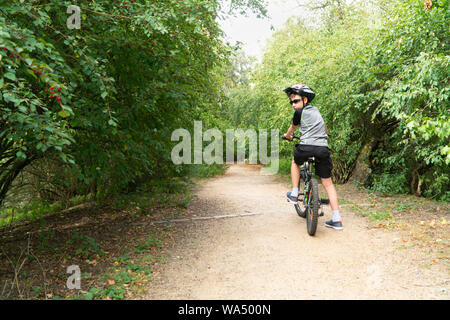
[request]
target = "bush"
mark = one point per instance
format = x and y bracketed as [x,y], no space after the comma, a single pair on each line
[206,171]
[437,186]
[389,183]
[285,166]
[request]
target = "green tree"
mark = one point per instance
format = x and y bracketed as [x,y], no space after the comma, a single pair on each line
[380,70]
[105,98]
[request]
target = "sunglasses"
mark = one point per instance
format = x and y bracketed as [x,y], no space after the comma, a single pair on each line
[295,101]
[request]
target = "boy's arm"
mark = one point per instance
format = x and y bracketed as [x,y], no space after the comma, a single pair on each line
[290,131]
[295,123]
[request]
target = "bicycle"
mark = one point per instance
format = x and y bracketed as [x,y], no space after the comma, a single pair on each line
[311,201]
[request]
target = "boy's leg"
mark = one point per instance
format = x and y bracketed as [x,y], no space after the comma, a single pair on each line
[295,174]
[295,177]
[331,191]
[336,221]
[324,166]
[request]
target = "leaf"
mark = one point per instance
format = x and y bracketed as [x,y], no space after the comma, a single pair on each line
[64,158]
[21,155]
[89,296]
[32,73]
[11,76]
[64,113]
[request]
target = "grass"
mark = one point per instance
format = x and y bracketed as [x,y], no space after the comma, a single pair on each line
[167,192]
[344,201]
[147,245]
[115,256]
[405,207]
[128,275]
[205,171]
[85,246]
[406,246]
[422,220]
[284,166]
[174,192]
[36,210]
[156,193]
[153,194]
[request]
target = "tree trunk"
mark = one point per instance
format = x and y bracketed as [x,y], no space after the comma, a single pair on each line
[362,169]
[9,173]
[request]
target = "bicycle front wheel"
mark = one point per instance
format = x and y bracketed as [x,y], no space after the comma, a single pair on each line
[312,208]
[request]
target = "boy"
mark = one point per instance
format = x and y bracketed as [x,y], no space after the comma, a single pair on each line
[313,142]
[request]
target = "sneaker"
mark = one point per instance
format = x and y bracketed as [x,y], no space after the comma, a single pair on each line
[334,224]
[290,198]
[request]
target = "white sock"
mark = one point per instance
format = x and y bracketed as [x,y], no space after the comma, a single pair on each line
[336,216]
[294,192]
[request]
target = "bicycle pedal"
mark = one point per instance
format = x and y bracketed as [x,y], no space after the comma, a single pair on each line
[324,201]
[300,199]
[321,214]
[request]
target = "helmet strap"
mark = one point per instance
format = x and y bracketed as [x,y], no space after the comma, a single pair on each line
[303,101]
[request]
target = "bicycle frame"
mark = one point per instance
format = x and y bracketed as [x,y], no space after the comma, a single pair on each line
[311,200]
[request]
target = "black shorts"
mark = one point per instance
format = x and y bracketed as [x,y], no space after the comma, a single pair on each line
[323,164]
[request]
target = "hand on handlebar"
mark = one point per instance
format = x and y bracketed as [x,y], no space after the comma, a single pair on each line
[285,137]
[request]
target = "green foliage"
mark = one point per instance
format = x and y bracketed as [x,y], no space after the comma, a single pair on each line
[36,210]
[155,193]
[379,215]
[284,166]
[147,245]
[405,206]
[205,171]
[85,245]
[117,283]
[105,98]
[44,238]
[113,292]
[372,214]
[390,183]
[381,74]
[37,291]
[438,186]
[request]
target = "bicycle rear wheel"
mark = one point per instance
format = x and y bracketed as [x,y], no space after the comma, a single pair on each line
[312,208]
[300,212]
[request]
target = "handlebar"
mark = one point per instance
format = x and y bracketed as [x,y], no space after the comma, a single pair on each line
[298,138]
[293,137]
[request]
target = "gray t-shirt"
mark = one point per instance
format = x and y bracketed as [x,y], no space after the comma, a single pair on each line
[312,126]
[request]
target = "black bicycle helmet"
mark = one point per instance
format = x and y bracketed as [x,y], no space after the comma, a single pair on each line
[301,89]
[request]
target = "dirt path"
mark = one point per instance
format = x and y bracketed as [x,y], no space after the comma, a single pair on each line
[271,256]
